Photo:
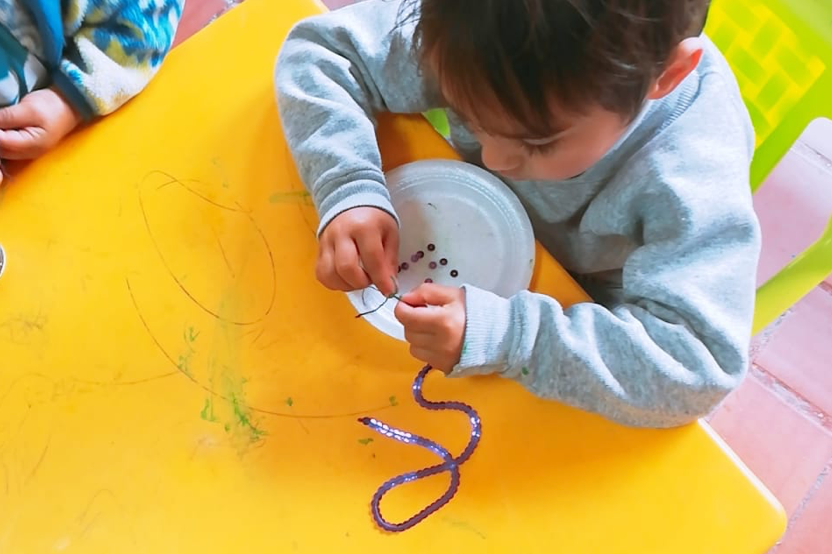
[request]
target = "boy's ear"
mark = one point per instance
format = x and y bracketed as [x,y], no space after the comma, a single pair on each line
[682,61]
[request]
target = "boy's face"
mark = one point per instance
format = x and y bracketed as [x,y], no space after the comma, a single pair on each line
[582,141]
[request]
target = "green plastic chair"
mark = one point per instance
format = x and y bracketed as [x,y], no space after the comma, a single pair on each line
[781,53]
[439,120]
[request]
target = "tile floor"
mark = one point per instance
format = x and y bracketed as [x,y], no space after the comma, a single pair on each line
[780,419]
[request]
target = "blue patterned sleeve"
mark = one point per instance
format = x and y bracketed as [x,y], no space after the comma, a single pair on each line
[113,48]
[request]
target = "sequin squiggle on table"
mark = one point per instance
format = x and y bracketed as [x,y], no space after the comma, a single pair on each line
[449,462]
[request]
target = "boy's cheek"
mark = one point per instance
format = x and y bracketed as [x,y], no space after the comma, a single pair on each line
[561,166]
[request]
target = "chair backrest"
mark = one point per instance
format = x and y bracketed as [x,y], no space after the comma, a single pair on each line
[781,54]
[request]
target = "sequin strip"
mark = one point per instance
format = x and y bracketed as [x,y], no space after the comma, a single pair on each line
[449,463]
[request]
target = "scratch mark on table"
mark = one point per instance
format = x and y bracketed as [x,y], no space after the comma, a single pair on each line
[464,526]
[260,334]
[40,460]
[270,344]
[303,426]
[20,378]
[126,383]
[5,475]
[216,163]
[290,402]
[83,516]
[222,252]
[290,197]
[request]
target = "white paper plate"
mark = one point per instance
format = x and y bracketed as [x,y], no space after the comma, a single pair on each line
[474,221]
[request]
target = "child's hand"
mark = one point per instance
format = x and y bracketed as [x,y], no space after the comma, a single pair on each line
[359,247]
[434,324]
[35,125]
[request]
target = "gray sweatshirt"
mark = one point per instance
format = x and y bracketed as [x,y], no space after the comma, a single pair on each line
[661,231]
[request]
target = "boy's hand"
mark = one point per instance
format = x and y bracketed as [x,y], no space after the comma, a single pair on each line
[357,248]
[434,324]
[36,124]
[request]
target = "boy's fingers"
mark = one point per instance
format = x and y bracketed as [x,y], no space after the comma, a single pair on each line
[348,267]
[16,116]
[326,274]
[430,294]
[421,354]
[390,242]
[419,339]
[375,264]
[22,144]
[417,319]
[17,145]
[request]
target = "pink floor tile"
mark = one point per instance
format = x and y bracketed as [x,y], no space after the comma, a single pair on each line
[785,449]
[818,136]
[197,14]
[799,353]
[811,533]
[335,4]
[794,206]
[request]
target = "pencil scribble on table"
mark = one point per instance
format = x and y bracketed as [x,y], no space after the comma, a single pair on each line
[27,417]
[25,329]
[100,520]
[217,393]
[211,349]
[236,209]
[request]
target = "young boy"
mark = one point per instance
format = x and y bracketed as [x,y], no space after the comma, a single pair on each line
[64,62]
[621,129]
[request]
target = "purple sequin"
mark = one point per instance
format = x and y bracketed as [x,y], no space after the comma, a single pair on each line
[432,265]
[449,463]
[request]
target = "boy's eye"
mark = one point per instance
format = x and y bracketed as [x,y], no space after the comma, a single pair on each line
[538,149]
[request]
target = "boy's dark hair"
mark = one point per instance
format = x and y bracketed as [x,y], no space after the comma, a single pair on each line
[525,54]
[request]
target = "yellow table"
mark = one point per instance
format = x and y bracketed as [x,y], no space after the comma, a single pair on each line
[173,379]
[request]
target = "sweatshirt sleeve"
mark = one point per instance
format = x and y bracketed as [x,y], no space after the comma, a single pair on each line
[334,72]
[113,49]
[674,340]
